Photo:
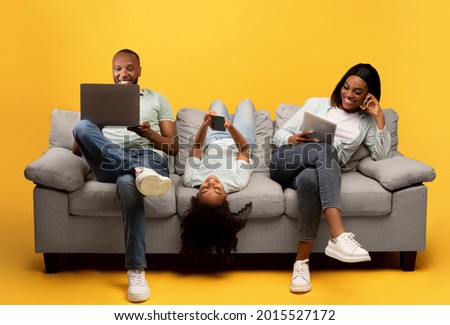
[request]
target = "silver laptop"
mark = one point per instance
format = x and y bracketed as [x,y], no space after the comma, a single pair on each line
[324,130]
[110,104]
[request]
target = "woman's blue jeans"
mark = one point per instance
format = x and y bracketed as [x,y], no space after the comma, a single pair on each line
[312,169]
[111,164]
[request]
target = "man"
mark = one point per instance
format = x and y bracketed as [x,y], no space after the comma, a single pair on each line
[136,160]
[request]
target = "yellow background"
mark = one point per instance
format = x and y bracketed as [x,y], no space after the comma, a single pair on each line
[196,51]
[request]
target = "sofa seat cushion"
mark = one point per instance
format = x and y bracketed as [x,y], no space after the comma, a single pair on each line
[100,199]
[265,194]
[360,196]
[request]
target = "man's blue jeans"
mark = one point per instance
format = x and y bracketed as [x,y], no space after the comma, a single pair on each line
[111,164]
[312,169]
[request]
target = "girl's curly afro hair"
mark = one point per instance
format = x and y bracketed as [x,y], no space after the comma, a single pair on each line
[207,229]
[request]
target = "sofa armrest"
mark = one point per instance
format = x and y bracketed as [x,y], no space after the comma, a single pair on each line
[397,172]
[58,168]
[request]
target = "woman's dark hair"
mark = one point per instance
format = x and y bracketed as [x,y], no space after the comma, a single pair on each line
[206,229]
[367,73]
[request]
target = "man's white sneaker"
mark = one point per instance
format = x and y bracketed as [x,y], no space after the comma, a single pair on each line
[138,289]
[150,183]
[346,249]
[301,281]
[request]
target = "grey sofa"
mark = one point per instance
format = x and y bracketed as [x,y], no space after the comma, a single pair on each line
[384,202]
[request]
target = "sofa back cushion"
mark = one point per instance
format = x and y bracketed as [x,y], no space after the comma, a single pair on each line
[286,111]
[189,120]
[391,119]
[62,122]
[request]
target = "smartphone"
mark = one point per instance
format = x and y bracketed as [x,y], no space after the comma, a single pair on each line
[134,128]
[364,104]
[218,123]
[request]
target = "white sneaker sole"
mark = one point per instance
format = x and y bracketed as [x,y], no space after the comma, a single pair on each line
[139,297]
[153,185]
[345,258]
[297,289]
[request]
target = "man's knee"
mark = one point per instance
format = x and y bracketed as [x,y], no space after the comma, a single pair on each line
[81,128]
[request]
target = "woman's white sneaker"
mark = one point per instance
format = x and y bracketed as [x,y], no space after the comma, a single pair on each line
[138,289]
[301,281]
[150,183]
[346,249]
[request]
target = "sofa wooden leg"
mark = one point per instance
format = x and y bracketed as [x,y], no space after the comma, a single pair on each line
[51,261]
[408,260]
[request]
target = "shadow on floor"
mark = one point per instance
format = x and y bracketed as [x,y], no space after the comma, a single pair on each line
[214,263]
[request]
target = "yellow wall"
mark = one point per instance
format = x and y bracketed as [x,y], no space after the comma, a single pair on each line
[196,51]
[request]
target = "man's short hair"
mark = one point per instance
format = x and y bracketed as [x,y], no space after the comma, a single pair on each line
[128,51]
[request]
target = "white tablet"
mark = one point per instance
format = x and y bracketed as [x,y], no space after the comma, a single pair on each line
[324,130]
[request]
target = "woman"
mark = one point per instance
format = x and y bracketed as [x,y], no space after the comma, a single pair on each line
[219,164]
[313,168]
